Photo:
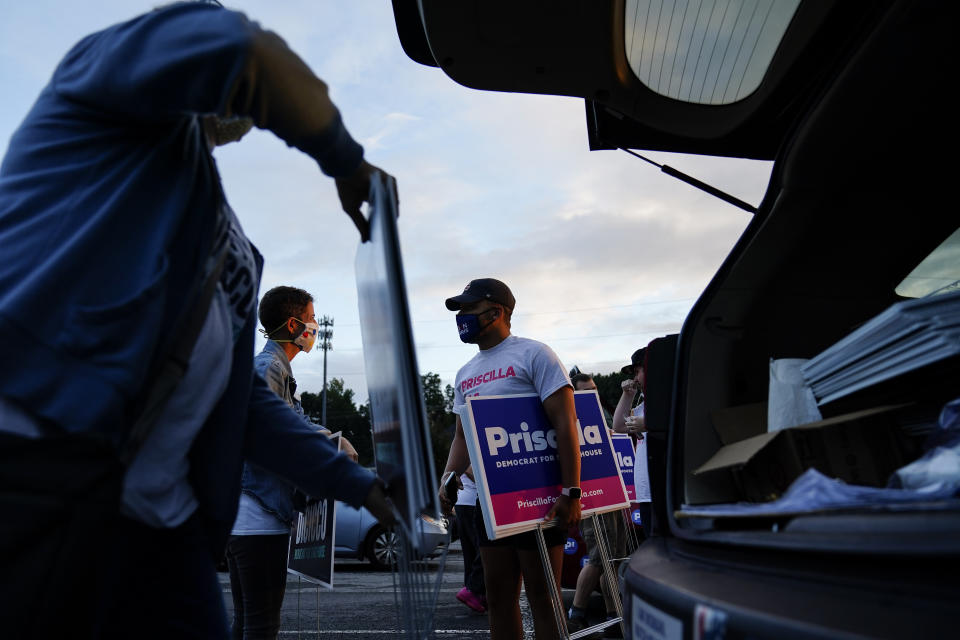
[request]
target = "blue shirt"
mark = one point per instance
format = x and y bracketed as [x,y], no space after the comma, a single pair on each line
[109,212]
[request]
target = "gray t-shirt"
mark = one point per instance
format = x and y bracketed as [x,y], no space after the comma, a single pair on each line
[156,489]
[516,365]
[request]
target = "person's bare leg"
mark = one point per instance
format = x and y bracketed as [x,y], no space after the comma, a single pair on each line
[501,574]
[538,591]
[586,582]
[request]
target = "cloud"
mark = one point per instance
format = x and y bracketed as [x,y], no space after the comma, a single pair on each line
[392,124]
[603,251]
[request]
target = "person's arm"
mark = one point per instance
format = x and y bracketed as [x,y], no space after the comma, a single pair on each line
[278,440]
[177,60]
[272,374]
[347,447]
[458,459]
[194,58]
[630,389]
[562,414]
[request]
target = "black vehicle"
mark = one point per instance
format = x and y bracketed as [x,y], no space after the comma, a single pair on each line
[850,101]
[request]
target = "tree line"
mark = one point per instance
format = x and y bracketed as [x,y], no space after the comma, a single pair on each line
[344,414]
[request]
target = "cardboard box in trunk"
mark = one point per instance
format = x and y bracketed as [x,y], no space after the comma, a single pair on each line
[859,448]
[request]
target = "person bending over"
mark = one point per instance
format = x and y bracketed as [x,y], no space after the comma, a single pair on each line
[128,303]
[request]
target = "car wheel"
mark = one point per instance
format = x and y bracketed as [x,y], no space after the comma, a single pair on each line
[382,547]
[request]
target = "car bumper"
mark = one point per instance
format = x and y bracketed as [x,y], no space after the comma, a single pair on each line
[677,591]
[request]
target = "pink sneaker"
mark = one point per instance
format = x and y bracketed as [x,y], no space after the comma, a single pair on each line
[469,598]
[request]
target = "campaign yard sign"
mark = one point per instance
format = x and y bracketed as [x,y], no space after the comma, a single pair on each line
[513,449]
[402,447]
[624,452]
[310,554]
[311,543]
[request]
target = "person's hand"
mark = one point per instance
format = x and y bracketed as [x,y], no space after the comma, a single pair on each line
[635,424]
[629,386]
[347,447]
[380,505]
[445,504]
[354,190]
[566,511]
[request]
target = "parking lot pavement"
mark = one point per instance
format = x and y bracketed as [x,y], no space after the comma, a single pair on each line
[362,604]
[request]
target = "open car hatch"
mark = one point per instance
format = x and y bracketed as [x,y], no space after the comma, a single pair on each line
[714,77]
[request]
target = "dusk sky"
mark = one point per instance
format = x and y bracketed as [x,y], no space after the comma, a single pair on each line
[602,251]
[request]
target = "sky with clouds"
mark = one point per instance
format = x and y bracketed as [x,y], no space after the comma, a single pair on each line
[602,251]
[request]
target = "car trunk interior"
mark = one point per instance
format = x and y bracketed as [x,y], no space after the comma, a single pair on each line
[857,199]
[853,108]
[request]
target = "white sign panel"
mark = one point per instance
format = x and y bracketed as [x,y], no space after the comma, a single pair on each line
[649,623]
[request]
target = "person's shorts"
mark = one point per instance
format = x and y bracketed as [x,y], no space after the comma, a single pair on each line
[616,531]
[526,541]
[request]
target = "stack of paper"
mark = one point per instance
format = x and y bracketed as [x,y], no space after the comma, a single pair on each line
[906,337]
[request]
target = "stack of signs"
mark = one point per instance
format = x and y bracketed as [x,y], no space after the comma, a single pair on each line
[401,434]
[310,554]
[624,453]
[513,450]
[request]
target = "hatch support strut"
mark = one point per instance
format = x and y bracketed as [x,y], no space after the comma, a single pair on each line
[703,186]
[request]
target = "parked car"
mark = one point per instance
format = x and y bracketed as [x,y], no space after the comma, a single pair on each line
[359,535]
[850,100]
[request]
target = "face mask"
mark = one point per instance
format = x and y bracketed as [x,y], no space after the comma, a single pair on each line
[305,339]
[469,327]
[308,337]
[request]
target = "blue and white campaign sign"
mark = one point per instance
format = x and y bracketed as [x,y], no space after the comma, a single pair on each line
[513,449]
[624,452]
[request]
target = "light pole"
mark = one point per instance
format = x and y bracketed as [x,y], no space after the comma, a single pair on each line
[326,338]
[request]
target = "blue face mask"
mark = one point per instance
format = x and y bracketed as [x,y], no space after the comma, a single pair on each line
[468,324]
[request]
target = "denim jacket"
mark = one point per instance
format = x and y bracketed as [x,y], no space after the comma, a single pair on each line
[273,493]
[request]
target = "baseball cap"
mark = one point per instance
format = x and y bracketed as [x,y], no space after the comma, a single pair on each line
[483,289]
[636,360]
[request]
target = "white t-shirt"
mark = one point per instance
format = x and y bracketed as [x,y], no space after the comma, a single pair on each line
[641,478]
[516,365]
[468,495]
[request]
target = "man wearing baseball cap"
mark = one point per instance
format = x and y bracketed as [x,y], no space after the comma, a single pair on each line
[519,366]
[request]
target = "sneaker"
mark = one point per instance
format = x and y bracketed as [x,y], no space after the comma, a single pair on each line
[469,598]
[576,623]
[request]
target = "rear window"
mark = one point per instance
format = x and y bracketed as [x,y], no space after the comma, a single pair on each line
[938,273]
[704,51]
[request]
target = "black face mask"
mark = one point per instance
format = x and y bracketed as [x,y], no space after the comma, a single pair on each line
[469,327]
